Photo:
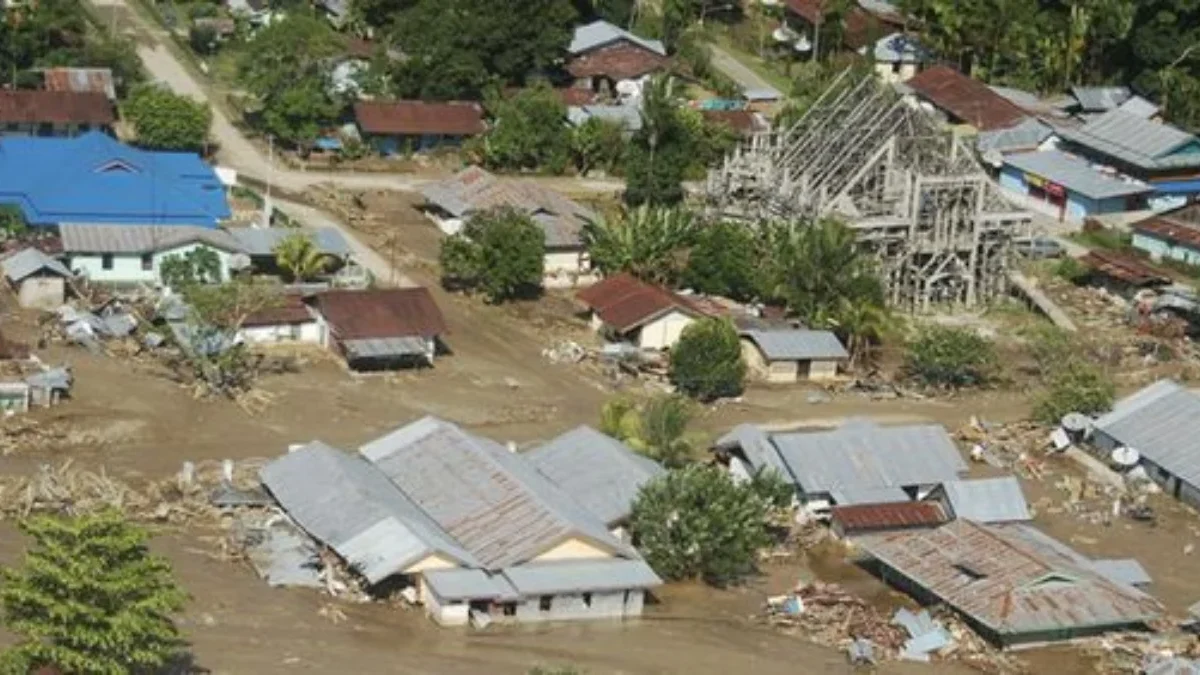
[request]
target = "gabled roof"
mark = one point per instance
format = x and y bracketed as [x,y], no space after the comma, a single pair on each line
[624,302]
[756,446]
[628,116]
[987,500]
[418,118]
[789,344]
[93,178]
[80,80]
[490,500]
[346,503]
[262,241]
[1026,136]
[965,99]
[1100,99]
[381,313]
[1140,107]
[1009,581]
[901,48]
[1137,141]
[602,473]
[1075,174]
[887,516]
[39,106]
[290,309]
[618,60]
[134,239]
[601,33]
[1161,422]
[1125,267]
[27,262]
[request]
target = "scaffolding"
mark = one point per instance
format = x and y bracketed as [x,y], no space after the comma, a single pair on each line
[913,192]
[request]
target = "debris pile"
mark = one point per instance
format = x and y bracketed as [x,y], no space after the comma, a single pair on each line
[828,615]
[1145,653]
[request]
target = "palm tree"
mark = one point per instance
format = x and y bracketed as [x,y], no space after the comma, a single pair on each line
[299,257]
[648,242]
[863,325]
[657,429]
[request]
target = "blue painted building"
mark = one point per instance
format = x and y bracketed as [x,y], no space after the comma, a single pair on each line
[96,179]
[1067,187]
[1174,235]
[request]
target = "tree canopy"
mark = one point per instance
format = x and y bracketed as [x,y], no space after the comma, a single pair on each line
[300,258]
[528,131]
[661,151]
[650,243]
[706,362]
[657,428]
[90,598]
[164,120]
[499,252]
[950,357]
[724,261]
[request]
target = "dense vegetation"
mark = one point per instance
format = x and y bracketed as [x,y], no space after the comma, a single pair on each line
[951,358]
[706,362]
[499,252]
[657,428]
[164,120]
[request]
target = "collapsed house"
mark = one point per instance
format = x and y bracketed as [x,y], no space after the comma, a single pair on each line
[479,532]
[1011,583]
[913,193]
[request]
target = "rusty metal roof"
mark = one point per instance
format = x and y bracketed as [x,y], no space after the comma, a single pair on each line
[1124,267]
[381,313]
[1181,226]
[81,80]
[417,118]
[1010,578]
[54,107]
[965,99]
[893,516]
[624,302]
[619,61]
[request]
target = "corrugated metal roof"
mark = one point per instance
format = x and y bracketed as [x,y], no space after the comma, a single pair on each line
[353,508]
[628,116]
[469,584]
[491,501]
[600,472]
[1027,135]
[1136,105]
[1162,422]
[624,302]
[1075,174]
[1100,99]
[600,33]
[95,80]
[106,238]
[27,262]
[965,99]
[576,576]
[1123,571]
[1007,581]
[898,515]
[1137,141]
[851,495]
[987,500]
[382,348]
[262,241]
[1125,267]
[757,448]
[870,457]
[797,345]
[415,118]
[381,313]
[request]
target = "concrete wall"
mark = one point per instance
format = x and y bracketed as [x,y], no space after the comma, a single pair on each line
[1159,249]
[582,606]
[783,372]
[128,269]
[663,332]
[304,333]
[447,612]
[822,370]
[42,292]
[568,269]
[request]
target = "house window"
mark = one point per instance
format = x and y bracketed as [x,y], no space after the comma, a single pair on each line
[510,609]
[544,602]
[106,261]
[896,67]
[147,262]
[587,599]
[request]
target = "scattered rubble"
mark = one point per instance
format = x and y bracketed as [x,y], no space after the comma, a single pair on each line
[828,615]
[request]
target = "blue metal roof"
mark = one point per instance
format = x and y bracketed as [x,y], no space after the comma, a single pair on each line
[93,178]
[1177,186]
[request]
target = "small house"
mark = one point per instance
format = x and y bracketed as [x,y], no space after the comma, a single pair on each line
[401,127]
[1012,584]
[788,355]
[1066,187]
[54,113]
[601,55]
[381,329]
[626,309]
[1122,273]
[14,397]
[1174,235]
[963,100]
[50,386]
[39,280]
[134,254]
[858,519]
[289,321]
[899,57]
[983,500]
[862,22]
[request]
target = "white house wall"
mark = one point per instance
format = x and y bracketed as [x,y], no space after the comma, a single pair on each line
[42,292]
[663,332]
[304,333]
[127,268]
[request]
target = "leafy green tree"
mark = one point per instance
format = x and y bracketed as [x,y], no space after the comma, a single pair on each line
[706,362]
[288,66]
[90,599]
[298,256]
[197,267]
[500,252]
[649,243]
[617,12]
[598,144]
[165,120]
[724,261]
[658,428]
[203,39]
[661,151]
[528,131]
[1074,385]
[12,221]
[862,325]
[950,357]
[696,522]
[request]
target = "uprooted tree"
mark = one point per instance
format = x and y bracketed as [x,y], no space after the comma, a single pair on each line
[90,598]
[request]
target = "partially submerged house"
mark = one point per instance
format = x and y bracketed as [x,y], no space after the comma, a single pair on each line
[39,280]
[787,355]
[1174,235]
[475,529]
[38,112]
[857,463]
[961,99]
[984,500]
[626,309]
[603,474]
[1068,188]
[451,202]
[1012,584]
[381,329]
[1161,422]
[601,55]
[134,254]
[403,127]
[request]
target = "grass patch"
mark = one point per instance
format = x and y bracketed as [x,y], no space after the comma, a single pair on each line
[768,70]
[1104,238]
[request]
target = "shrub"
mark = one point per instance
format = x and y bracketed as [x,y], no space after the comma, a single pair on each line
[500,252]
[658,428]
[943,356]
[1074,386]
[707,363]
[1070,270]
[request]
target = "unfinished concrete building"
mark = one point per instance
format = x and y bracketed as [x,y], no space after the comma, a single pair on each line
[914,193]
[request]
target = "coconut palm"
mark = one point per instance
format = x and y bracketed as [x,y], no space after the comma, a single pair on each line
[298,256]
[862,325]
[657,429]
[648,242]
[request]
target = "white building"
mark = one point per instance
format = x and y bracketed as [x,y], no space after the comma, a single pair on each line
[133,254]
[625,309]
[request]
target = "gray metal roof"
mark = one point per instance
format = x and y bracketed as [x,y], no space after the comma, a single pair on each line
[27,262]
[1136,105]
[851,495]
[349,505]
[575,576]
[628,116]
[53,378]
[1162,422]
[756,447]
[600,472]
[383,348]
[262,241]
[901,48]
[870,457]
[1074,174]
[1100,99]
[601,33]
[105,238]
[468,584]
[788,344]
[1123,571]
[1027,135]
[1137,141]
[987,500]
[491,501]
